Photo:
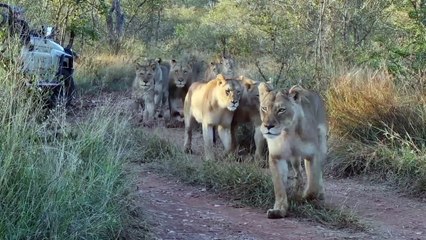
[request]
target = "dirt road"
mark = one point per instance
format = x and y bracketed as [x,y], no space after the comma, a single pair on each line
[186,212]
[178,211]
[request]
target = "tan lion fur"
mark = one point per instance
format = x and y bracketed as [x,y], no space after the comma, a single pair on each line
[295,126]
[211,104]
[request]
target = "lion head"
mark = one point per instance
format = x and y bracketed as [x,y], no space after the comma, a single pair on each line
[250,95]
[278,110]
[145,72]
[229,92]
[180,73]
[213,69]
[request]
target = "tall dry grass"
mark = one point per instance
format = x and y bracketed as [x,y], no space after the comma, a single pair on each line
[378,128]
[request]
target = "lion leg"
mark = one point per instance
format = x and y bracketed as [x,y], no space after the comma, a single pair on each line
[148,114]
[279,172]
[226,138]
[157,103]
[315,187]
[296,163]
[234,143]
[208,141]
[214,135]
[260,144]
[189,125]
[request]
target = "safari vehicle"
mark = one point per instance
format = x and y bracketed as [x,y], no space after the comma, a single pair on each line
[49,65]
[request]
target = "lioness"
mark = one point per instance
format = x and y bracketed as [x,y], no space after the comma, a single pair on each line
[294,124]
[213,69]
[180,78]
[225,66]
[211,104]
[248,112]
[147,88]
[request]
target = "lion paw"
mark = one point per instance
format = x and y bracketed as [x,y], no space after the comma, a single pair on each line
[312,196]
[276,213]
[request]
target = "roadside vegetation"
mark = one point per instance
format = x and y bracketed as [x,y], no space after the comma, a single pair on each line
[244,183]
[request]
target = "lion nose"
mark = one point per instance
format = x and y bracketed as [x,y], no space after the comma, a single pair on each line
[234,101]
[268,126]
[145,80]
[180,79]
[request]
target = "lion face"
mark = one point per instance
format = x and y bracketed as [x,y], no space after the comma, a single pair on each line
[145,72]
[277,110]
[181,73]
[230,92]
[145,75]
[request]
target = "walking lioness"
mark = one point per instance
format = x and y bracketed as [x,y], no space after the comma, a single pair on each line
[294,124]
[211,104]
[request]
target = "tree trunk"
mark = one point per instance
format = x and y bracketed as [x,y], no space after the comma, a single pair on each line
[115,26]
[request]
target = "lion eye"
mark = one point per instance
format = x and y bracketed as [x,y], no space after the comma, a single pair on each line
[176,71]
[264,109]
[228,92]
[185,72]
[282,110]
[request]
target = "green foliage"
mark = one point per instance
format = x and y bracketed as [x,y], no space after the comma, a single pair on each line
[59,180]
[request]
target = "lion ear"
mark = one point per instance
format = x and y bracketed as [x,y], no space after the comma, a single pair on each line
[221,79]
[264,89]
[247,82]
[138,65]
[158,60]
[173,62]
[294,93]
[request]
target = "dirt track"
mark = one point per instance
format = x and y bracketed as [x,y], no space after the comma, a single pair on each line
[199,215]
[178,211]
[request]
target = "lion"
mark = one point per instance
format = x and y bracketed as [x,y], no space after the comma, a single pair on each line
[147,90]
[213,69]
[211,104]
[295,126]
[180,78]
[225,66]
[248,112]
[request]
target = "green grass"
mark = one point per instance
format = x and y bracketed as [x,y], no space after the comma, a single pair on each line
[244,183]
[60,180]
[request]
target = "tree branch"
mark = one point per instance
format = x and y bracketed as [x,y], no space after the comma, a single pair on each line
[260,71]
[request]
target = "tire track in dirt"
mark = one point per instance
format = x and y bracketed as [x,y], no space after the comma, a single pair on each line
[179,211]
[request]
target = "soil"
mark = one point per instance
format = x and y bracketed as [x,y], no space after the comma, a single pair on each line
[179,211]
